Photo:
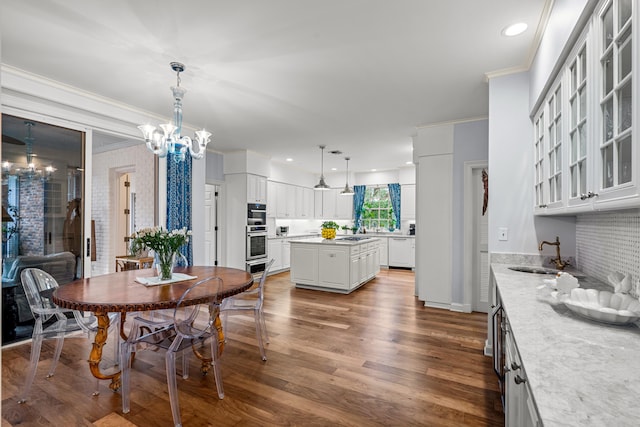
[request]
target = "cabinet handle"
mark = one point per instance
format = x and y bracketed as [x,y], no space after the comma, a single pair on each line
[589,195]
[514,366]
[519,380]
[397,238]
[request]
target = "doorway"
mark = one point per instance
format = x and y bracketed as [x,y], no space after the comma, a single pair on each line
[476,255]
[42,189]
[124,212]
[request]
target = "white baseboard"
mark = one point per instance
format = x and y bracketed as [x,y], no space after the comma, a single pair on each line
[437,305]
[488,348]
[461,308]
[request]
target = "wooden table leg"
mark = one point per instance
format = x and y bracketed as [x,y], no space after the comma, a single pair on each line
[206,362]
[96,352]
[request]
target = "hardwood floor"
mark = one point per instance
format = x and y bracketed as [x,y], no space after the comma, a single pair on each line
[376,357]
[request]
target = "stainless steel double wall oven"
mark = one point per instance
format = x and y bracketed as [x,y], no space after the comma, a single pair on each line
[256,238]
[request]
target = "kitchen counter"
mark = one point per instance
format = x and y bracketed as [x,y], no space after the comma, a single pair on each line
[580,372]
[334,265]
[339,240]
[293,236]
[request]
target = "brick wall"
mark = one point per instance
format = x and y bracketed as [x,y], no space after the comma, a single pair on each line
[138,161]
[32,214]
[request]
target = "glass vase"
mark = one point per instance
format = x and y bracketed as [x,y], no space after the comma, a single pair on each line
[164,262]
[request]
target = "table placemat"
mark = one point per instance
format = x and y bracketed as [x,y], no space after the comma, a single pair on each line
[155,281]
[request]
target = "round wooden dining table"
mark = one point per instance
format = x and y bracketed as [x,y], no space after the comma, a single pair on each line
[121,293]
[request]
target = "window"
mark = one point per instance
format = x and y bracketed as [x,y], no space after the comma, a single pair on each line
[377,212]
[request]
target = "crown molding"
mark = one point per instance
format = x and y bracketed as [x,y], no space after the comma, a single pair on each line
[451,122]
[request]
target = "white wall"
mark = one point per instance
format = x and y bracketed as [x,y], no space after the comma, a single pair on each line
[376,178]
[511,174]
[562,20]
[281,172]
[106,167]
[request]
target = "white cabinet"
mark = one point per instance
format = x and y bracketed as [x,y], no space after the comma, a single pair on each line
[344,206]
[272,199]
[330,204]
[333,263]
[401,252]
[274,250]
[355,269]
[304,202]
[408,201]
[585,155]
[286,201]
[338,267]
[286,254]
[280,251]
[383,250]
[256,189]
[304,264]
[520,408]
[325,204]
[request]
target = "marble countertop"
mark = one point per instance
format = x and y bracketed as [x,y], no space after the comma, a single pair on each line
[339,235]
[336,241]
[295,236]
[581,373]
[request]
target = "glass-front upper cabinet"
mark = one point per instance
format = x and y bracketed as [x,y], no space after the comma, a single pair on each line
[578,124]
[595,120]
[538,147]
[548,152]
[554,153]
[616,151]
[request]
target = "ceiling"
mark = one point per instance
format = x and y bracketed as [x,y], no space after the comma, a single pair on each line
[281,77]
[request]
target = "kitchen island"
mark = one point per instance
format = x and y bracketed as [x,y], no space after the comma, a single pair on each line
[574,371]
[336,265]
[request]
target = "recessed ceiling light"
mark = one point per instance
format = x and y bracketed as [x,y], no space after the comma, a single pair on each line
[373,170]
[408,163]
[289,159]
[514,29]
[334,169]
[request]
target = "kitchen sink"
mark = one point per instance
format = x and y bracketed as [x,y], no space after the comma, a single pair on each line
[535,270]
[543,270]
[354,238]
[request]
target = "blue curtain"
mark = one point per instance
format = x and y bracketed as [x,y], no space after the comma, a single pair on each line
[179,199]
[358,202]
[394,195]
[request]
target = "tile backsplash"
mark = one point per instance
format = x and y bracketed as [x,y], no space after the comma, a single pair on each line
[608,242]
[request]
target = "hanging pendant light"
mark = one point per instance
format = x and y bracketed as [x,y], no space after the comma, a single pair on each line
[348,191]
[322,185]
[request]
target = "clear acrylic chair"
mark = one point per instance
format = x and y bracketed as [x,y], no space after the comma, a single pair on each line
[191,326]
[250,301]
[51,322]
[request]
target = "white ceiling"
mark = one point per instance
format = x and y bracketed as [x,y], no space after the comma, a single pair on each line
[280,77]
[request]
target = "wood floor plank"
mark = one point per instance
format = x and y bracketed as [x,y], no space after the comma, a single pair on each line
[376,357]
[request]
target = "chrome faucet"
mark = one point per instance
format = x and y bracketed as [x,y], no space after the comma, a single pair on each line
[558,262]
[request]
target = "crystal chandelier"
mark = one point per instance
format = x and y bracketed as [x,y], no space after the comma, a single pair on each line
[170,139]
[31,170]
